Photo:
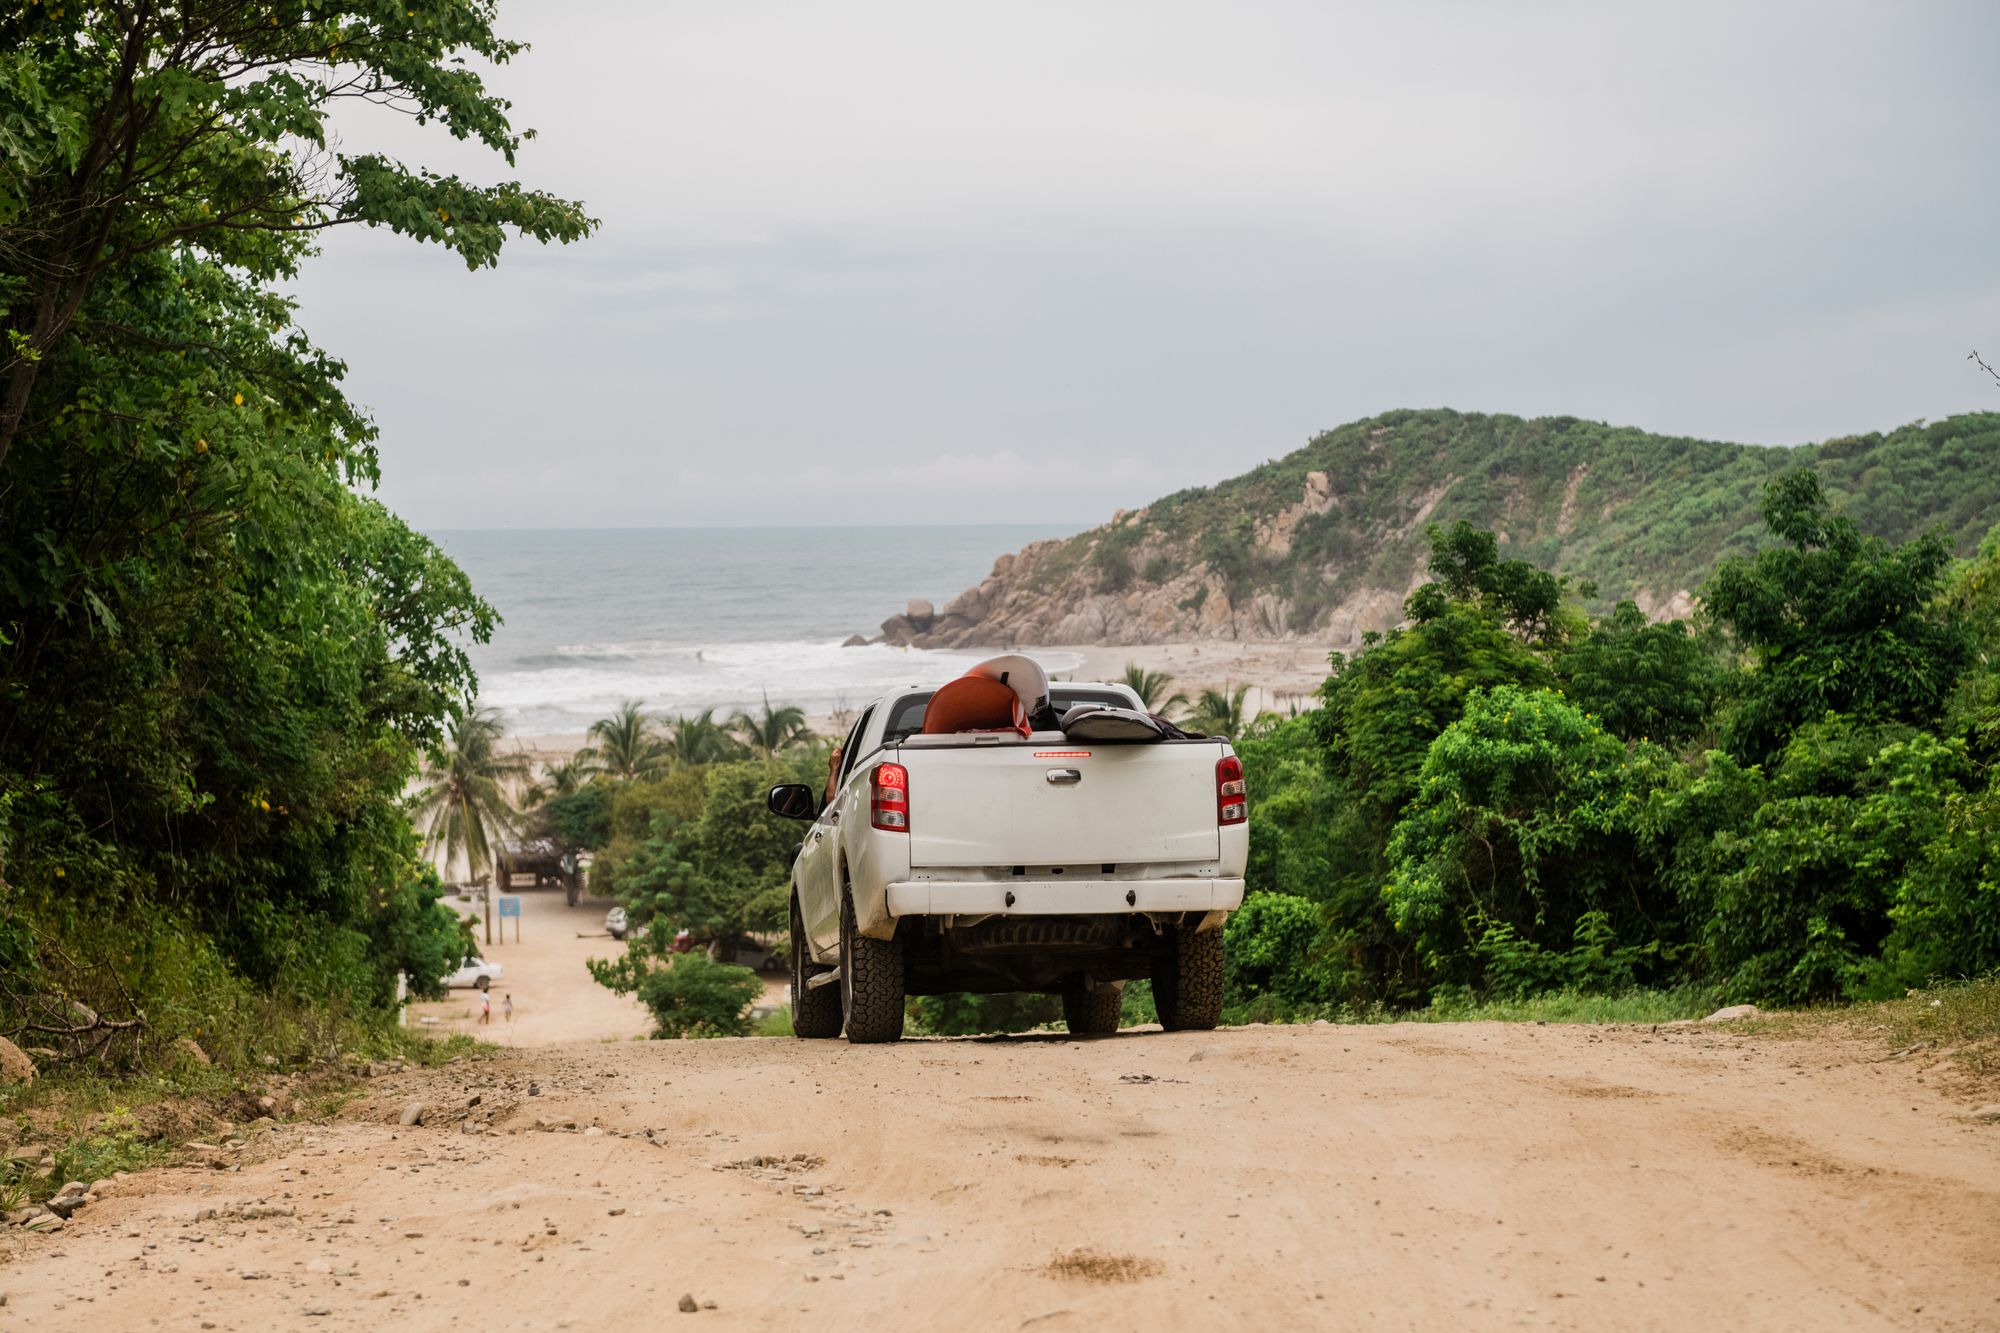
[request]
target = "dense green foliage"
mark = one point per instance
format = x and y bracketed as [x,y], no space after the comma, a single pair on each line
[219,663]
[1837,623]
[685,842]
[1798,802]
[698,851]
[129,133]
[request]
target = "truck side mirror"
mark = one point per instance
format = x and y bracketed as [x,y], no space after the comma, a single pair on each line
[793,800]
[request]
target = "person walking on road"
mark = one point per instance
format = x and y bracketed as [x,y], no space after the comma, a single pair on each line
[485,1007]
[507,1007]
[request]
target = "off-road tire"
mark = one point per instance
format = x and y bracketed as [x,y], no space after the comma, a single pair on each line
[871,982]
[815,1010]
[1187,980]
[483,983]
[1092,1013]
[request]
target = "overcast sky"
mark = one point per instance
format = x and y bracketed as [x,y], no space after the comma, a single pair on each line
[1033,262]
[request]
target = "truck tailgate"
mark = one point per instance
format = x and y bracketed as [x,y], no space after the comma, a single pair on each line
[993,805]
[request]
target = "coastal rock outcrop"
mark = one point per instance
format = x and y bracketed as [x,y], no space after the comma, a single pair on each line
[1324,544]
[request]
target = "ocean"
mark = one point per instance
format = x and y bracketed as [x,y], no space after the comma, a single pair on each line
[693,618]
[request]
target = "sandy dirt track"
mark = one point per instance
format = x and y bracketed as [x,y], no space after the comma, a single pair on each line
[1395,1177]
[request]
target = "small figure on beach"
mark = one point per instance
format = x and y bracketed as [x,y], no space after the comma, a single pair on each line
[485,1007]
[507,1007]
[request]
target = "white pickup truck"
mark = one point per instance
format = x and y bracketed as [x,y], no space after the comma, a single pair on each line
[997,861]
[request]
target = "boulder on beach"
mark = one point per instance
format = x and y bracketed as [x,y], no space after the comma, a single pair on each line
[854,641]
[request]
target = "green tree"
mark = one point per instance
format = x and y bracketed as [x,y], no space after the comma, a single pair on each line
[717,869]
[626,744]
[1792,872]
[465,805]
[1153,689]
[1645,681]
[697,738]
[1835,622]
[1226,712]
[220,663]
[772,729]
[1522,842]
[412,932]
[564,778]
[1466,568]
[135,131]
[579,818]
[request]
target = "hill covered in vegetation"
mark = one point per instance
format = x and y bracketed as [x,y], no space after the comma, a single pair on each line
[1327,541]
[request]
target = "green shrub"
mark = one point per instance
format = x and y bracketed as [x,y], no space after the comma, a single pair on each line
[1272,944]
[689,994]
[971,1015]
[1519,851]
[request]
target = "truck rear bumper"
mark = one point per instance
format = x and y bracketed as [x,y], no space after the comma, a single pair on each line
[1079,897]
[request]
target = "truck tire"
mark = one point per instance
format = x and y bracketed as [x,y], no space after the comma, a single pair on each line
[871,982]
[1092,1013]
[1187,980]
[815,1010]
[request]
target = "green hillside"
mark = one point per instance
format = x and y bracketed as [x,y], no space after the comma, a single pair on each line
[1283,550]
[1630,509]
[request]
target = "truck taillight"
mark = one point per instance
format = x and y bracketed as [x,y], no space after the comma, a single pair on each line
[889,798]
[1232,806]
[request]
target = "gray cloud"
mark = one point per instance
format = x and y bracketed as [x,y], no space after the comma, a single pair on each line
[1038,261]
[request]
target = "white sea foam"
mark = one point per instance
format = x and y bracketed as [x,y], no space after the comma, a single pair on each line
[711,618]
[678,678]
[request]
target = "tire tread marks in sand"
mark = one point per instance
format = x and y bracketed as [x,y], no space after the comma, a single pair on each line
[1092,1013]
[815,1011]
[1187,980]
[871,981]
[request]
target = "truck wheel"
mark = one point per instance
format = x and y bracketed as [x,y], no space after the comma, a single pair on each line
[871,982]
[1187,980]
[815,1011]
[484,983]
[1092,1013]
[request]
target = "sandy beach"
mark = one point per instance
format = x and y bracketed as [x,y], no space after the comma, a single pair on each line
[1282,678]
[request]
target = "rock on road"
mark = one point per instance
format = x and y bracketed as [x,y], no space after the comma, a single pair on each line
[1393,1177]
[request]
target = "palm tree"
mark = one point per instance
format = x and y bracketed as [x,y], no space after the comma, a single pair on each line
[627,746]
[697,739]
[1225,713]
[465,803]
[559,779]
[772,730]
[1151,687]
[1222,712]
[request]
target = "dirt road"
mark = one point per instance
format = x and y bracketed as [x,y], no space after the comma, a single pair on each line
[555,999]
[1395,1177]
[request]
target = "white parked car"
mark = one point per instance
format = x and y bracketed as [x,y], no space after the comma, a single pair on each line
[1015,860]
[474,972]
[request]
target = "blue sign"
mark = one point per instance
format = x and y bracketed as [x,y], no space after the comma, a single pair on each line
[510,907]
